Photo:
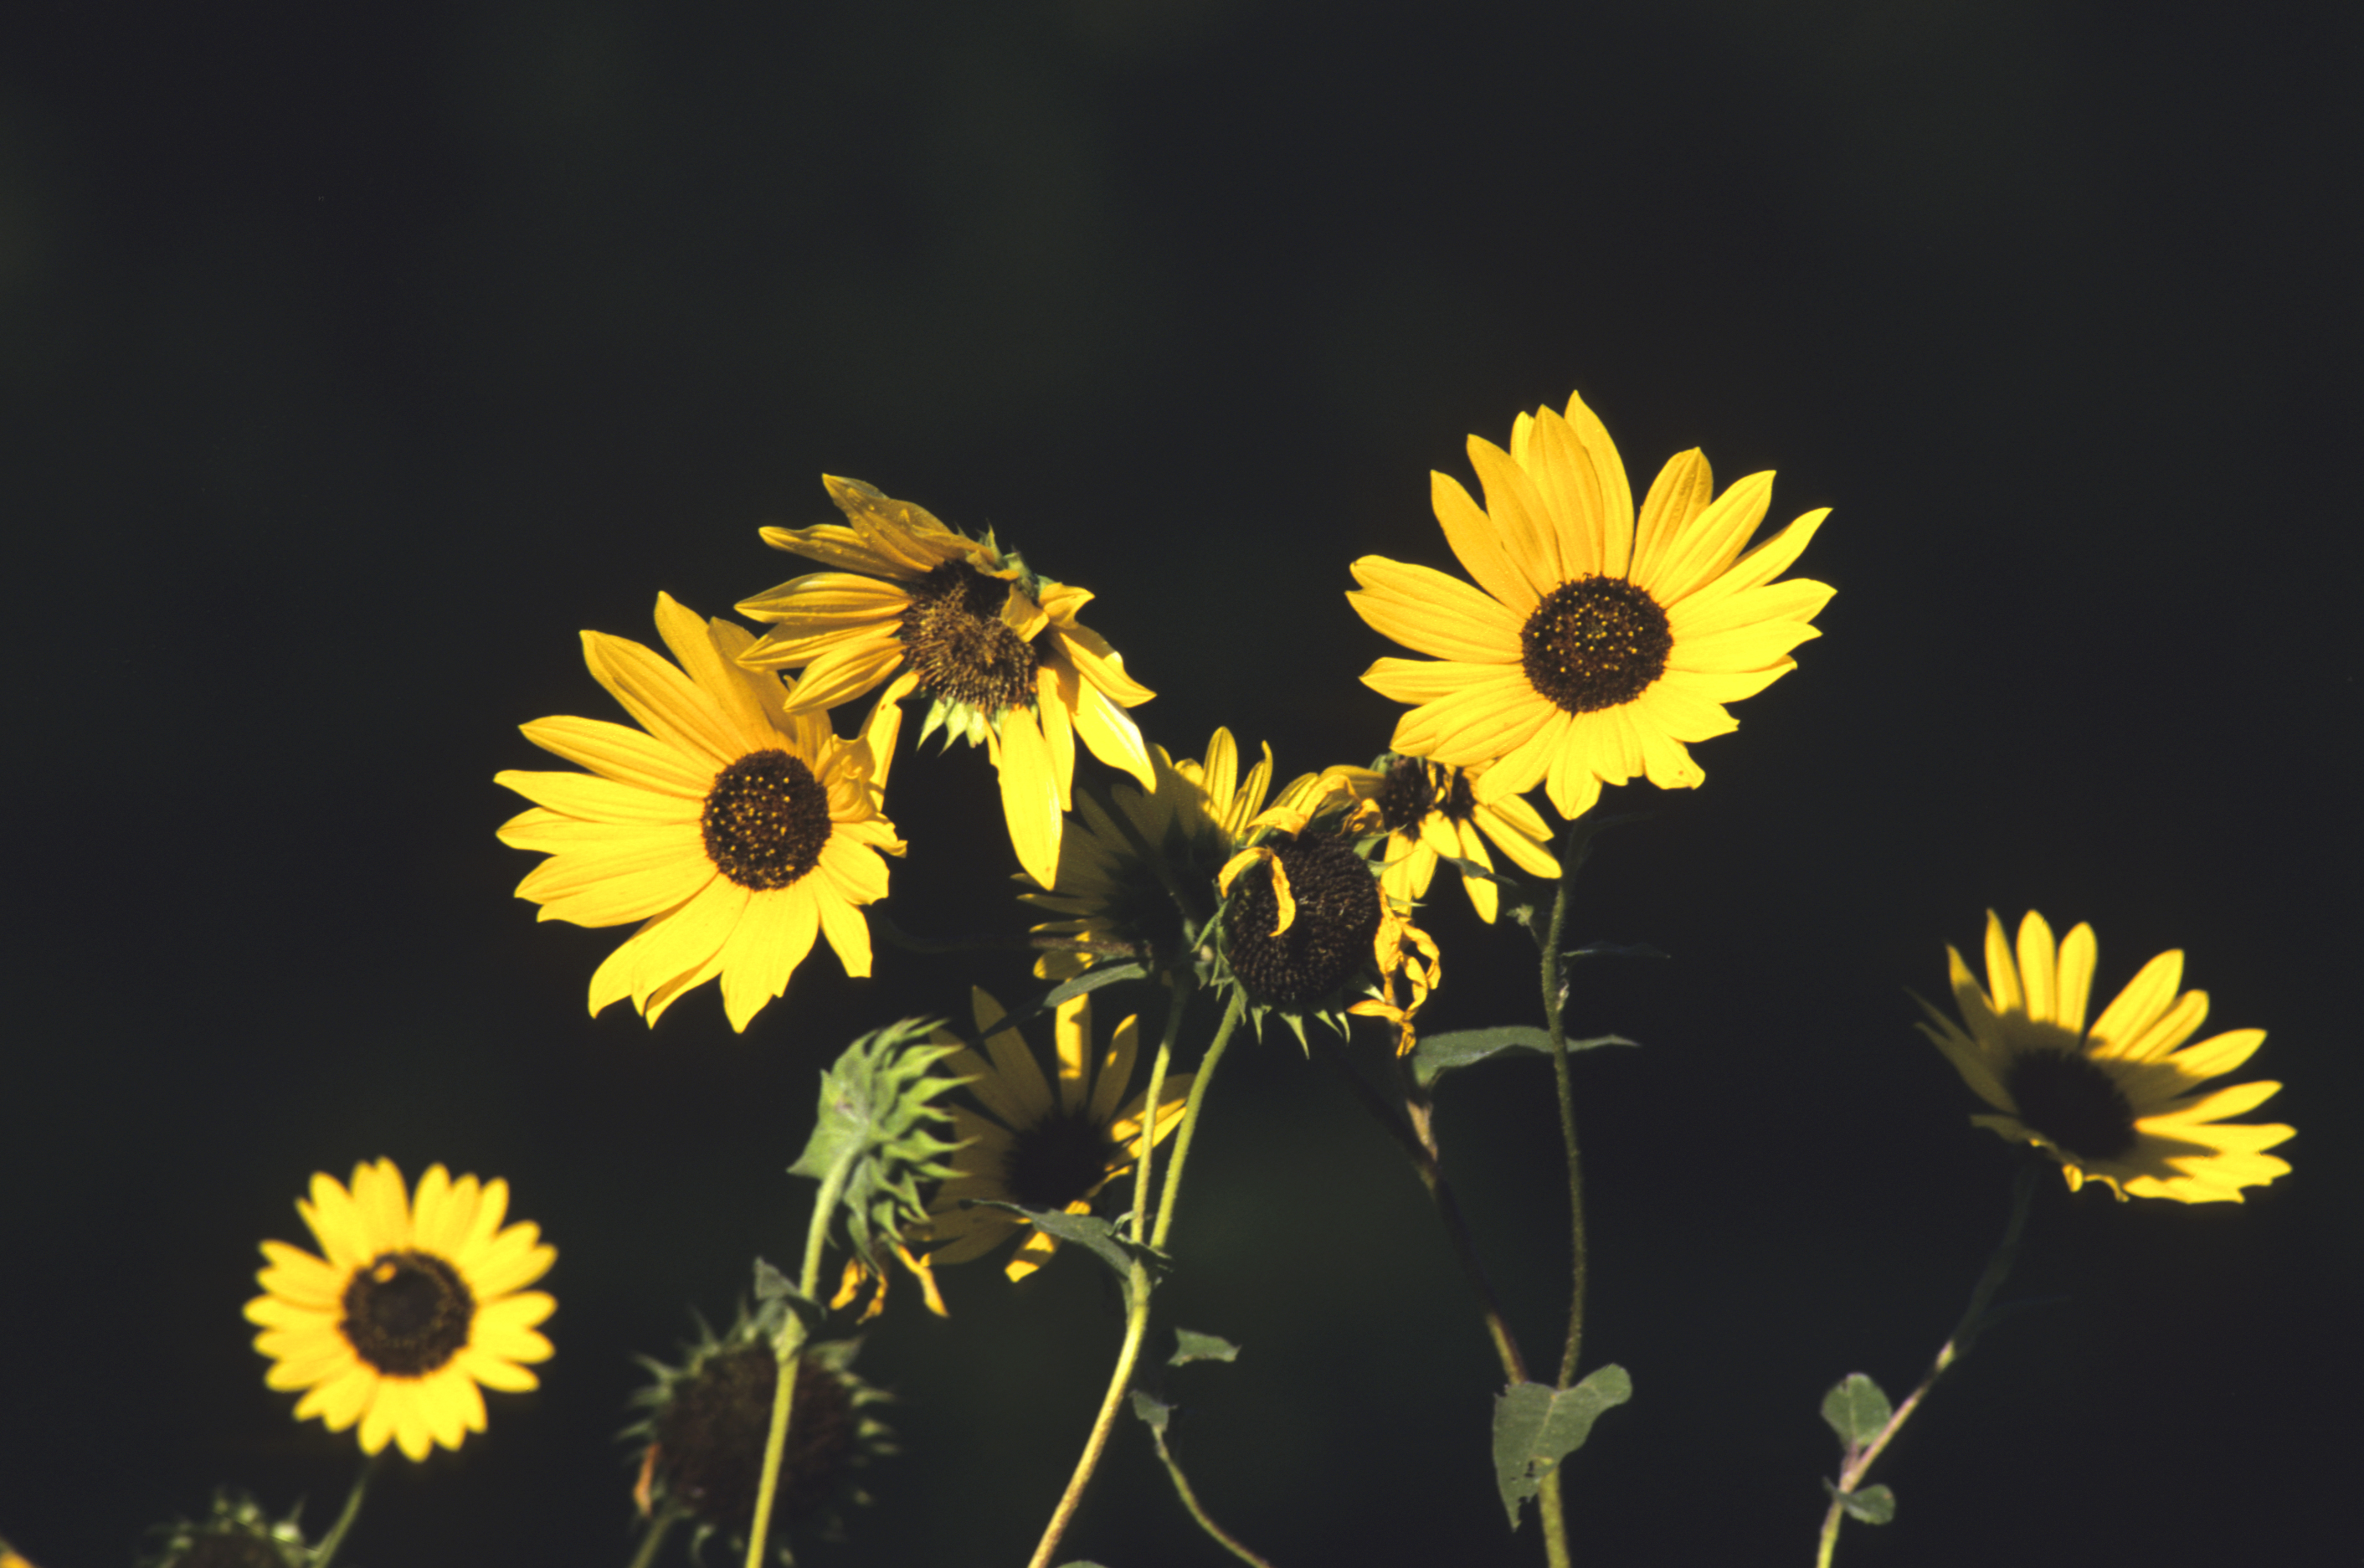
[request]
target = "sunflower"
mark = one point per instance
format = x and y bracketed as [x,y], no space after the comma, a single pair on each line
[1431,813]
[1594,646]
[702,1439]
[413,1306]
[1035,1149]
[997,649]
[2121,1102]
[734,830]
[1115,898]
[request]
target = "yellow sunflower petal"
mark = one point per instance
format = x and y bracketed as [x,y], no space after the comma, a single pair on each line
[1480,549]
[1677,497]
[1431,613]
[625,755]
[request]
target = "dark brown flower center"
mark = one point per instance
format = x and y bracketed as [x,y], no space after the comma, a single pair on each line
[1057,1161]
[766,820]
[1337,916]
[2070,1099]
[407,1313]
[962,649]
[710,1433]
[1406,795]
[1594,644]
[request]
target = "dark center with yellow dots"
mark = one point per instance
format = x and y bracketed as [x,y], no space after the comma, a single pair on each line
[710,1435]
[766,820]
[2071,1100]
[407,1313]
[1059,1160]
[1337,916]
[1594,644]
[959,645]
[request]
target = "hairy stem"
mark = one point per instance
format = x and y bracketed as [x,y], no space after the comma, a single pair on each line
[787,1353]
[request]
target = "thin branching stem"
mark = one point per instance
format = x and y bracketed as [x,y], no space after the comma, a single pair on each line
[1191,1500]
[1136,1322]
[1177,991]
[1416,1133]
[1956,1345]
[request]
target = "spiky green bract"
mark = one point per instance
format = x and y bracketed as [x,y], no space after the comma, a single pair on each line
[234,1533]
[876,1113]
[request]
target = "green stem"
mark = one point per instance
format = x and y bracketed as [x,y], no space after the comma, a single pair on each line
[1956,1345]
[325,1552]
[788,1352]
[1175,994]
[1137,1323]
[668,1515]
[1574,846]
[1190,1501]
[1232,1016]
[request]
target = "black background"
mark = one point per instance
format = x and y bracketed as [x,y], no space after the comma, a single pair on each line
[354,359]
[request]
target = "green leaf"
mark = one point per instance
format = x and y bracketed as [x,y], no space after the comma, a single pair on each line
[1438,1054]
[1857,1409]
[1157,1412]
[1873,1505]
[1092,979]
[774,1288]
[1615,949]
[1096,1236]
[1535,1427]
[1189,1346]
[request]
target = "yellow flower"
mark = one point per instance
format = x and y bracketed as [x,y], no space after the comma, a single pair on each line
[2119,1102]
[414,1305]
[1595,645]
[735,831]
[1036,1149]
[1117,900]
[1430,812]
[997,649]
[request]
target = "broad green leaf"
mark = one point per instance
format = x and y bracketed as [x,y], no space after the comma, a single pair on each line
[1152,1410]
[1096,1236]
[1092,979]
[1438,1054]
[1535,1427]
[1857,1409]
[1189,1346]
[1873,1504]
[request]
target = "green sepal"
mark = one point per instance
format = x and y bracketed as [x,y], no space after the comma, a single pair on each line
[1191,1346]
[1153,1411]
[1438,1054]
[874,1119]
[777,1292]
[1536,1426]
[1096,1236]
[1856,1410]
[1873,1505]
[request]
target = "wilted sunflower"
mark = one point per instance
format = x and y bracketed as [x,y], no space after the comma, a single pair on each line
[1594,646]
[414,1305]
[1034,1148]
[734,829]
[1191,822]
[997,649]
[1431,813]
[702,1439]
[2120,1103]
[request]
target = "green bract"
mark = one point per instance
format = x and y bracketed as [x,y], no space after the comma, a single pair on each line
[874,1119]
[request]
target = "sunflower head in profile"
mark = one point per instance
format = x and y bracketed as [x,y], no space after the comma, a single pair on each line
[1041,1145]
[706,1420]
[1597,644]
[234,1533]
[1430,814]
[2123,1102]
[410,1307]
[996,650]
[1137,871]
[732,829]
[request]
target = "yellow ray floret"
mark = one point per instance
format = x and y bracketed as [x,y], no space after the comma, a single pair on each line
[1597,644]
[2123,1102]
